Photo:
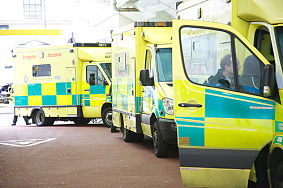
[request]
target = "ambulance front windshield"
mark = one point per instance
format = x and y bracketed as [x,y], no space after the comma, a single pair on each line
[279,36]
[164,64]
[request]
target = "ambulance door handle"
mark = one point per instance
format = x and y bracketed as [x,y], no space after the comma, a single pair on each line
[69,90]
[189,105]
[86,90]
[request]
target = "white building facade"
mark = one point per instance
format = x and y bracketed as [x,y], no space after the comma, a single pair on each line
[84,20]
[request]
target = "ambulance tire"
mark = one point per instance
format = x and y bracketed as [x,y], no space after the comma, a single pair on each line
[278,181]
[107,117]
[39,118]
[160,147]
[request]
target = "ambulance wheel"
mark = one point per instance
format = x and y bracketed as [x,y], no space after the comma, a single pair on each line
[107,117]
[278,181]
[39,118]
[160,147]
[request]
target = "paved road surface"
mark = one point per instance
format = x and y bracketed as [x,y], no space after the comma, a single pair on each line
[65,155]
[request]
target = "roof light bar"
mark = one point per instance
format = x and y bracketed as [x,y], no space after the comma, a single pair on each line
[153,24]
[92,45]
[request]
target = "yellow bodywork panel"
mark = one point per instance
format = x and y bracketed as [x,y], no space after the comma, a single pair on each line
[153,35]
[49,89]
[99,55]
[20,90]
[196,94]
[91,112]
[232,136]
[261,11]
[215,177]
[146,129]
[35,100]
[116,118]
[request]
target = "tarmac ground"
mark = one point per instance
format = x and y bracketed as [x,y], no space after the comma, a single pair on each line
[66,155]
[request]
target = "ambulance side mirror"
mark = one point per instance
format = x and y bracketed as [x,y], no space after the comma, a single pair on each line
[145,80]
[268,81]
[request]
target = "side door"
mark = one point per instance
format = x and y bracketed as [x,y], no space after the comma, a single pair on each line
[147,92]
[223,121]
[94,87]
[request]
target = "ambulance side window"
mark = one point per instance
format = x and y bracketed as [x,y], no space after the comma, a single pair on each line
[41,70]
[207,57]
[262,42]
[148,63]
[94,76]
[147,59]
[217,58]
[249,69]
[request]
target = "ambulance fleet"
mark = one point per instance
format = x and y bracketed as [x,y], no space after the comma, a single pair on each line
[210,81]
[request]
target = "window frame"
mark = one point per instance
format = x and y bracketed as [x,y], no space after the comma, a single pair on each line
[150,64]
[233,51]
[278,46]
[106,70]
[38,70]
[96,78]
[156,64]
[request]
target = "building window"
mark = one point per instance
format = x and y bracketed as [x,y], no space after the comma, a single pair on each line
[32,9]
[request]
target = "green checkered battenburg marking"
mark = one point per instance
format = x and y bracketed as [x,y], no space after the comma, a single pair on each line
[47,100]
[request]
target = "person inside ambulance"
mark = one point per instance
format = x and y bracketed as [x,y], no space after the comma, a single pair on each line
[224,76]
[250,79]
[91,79]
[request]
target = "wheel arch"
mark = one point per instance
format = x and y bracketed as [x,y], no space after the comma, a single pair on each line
[274,159]
[153,119]
[104,106]
[35,109]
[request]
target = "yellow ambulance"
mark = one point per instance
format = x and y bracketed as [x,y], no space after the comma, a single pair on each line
[228,88]
[142,87]
[66,82]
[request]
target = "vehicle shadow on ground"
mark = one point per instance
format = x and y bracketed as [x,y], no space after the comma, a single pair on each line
[147,144]
[67,125]
[73,125]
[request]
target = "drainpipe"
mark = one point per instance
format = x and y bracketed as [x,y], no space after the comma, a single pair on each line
[123,9]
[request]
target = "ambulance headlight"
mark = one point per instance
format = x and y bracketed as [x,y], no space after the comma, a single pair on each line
[168,105]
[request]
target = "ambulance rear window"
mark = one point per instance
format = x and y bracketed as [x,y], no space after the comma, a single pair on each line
[41,70]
